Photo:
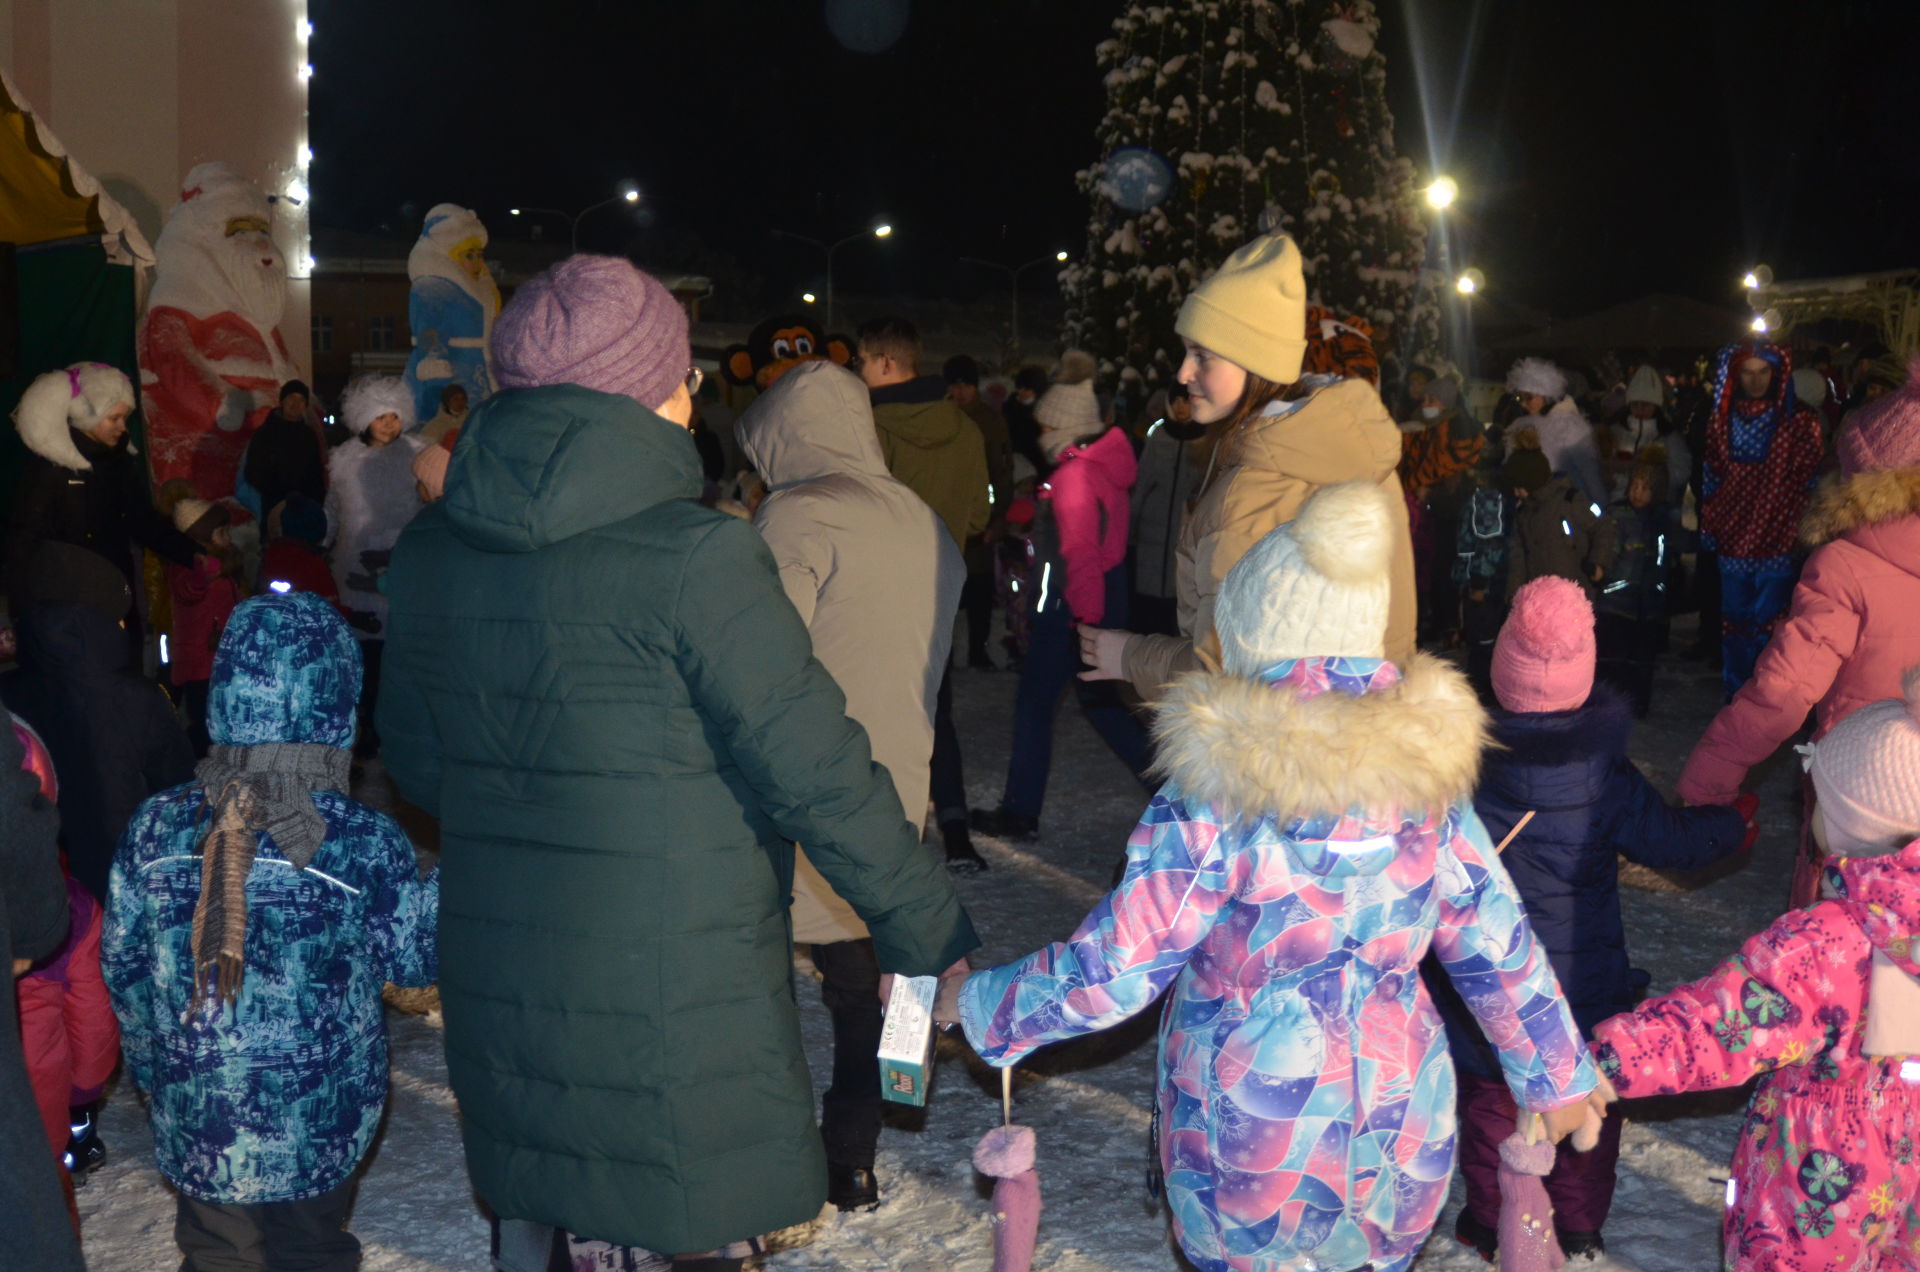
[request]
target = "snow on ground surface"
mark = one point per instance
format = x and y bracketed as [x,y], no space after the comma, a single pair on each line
[1089,1101]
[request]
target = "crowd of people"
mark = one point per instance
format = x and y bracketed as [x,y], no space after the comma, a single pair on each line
[680,702]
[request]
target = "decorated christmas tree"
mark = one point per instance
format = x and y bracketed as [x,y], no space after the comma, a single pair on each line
[1227,119]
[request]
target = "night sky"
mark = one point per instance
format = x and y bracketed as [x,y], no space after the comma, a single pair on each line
[1604,151]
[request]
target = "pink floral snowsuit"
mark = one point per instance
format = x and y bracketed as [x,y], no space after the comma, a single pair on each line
[1826,1177]
[1306,1101]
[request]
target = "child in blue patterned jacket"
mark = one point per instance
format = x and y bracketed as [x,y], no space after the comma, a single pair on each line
[254,915]
[1316,837]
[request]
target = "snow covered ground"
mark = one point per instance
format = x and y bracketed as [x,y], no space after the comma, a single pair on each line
[1089,1101]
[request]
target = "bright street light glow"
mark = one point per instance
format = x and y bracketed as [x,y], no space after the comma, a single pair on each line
[631,195]
[513,211]
[1442,192]
[1750,281]
[881,231]
[1059,256]
[807,296]
[1470,282]
[1759,324]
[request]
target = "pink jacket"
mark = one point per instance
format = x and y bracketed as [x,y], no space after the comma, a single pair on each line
[203,597]
[1854,628]
[1089,493]
[1826,1167]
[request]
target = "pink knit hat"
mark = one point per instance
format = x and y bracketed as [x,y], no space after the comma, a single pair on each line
[598,322]
[1885,433]
[1866,775]
[1543,660]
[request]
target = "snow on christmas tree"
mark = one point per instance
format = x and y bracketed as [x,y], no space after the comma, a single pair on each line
[1227,119]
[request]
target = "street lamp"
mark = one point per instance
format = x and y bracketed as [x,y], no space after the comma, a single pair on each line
[1757,277]
[629,193]
[880,231]
[1470,282]
[809,297]
[1013,273]
[1442,193]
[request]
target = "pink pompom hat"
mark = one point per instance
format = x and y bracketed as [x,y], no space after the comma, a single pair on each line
[1543,660]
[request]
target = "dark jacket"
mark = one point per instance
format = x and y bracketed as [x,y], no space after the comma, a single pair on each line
[602,690]
[104,509]
[1172,462]
[284,456]
[35,1234]
[1636,585]
[1558,530]
[113,737]
[1023,434]
[1590,805]
[1481,544]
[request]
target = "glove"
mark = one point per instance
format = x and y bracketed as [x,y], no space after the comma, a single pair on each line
[1748,806]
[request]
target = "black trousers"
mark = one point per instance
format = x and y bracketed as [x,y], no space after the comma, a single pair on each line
[949,780]
[850,1109]
[1479,628]
[1627,647]
[976,602]
[280,1236]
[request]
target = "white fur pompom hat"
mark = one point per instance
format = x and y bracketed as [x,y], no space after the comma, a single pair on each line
[1536,375]
[76,397]
[1314,587]
[372,396]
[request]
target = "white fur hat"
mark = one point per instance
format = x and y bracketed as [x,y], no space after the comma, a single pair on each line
[1536,375]
[76,397]
[372,396]
[1315,587]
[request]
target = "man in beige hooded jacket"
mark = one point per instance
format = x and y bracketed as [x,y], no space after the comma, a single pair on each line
[877,579]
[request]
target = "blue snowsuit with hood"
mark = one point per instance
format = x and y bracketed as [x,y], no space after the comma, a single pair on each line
[275,1097]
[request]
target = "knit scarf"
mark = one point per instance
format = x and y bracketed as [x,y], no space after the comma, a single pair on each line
[250,790]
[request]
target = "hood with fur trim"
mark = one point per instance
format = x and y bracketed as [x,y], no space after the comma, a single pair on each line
[1842,504]
[1248,747]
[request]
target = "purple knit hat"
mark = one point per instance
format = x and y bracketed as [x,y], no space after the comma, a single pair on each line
[1885,433]
[598,322]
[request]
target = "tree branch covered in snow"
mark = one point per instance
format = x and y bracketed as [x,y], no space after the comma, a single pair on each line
[1226,119]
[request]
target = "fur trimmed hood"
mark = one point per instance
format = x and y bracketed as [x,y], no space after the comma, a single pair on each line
[1247,747]
[1842,503]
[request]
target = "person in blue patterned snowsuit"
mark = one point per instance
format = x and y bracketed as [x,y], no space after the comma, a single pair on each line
[250,1010]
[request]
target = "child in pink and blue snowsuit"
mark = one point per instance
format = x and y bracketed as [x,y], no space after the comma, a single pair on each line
[1315,838]
[1825,1006]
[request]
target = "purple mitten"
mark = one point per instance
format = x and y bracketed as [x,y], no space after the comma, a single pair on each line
[1007,1154]
[1527,1241]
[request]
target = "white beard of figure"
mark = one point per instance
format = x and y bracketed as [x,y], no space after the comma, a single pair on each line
[257,272]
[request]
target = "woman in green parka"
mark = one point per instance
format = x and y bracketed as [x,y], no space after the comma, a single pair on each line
[602,691]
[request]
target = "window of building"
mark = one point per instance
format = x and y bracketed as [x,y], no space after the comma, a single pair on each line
[380,334]
[323,333]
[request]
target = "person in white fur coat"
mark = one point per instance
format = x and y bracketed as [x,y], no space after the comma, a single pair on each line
[1566,438]
[370,500]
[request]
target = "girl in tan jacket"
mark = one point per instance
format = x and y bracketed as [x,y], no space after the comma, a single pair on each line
[1282,438]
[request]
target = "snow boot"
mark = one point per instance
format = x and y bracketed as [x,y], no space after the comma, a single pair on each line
[85,1152]
[1578,1245]
[962,859]
[1002,824]
[852,1187]
[1483,1239]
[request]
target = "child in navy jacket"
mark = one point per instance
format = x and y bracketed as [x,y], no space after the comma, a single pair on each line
[1561,754]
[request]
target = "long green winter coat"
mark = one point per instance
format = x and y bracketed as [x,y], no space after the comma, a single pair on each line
[601,689]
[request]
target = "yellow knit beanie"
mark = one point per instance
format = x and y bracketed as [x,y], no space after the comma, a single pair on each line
[1253,311]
